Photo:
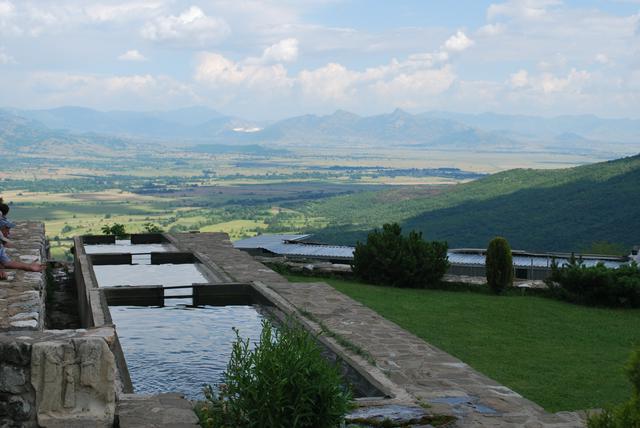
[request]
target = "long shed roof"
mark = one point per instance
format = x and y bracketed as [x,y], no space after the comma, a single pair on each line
[293,245]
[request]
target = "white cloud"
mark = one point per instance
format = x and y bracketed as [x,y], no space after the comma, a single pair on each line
[602,58]
[331,82]
[121,12]
[217,71]
[519,79]
[458,42]
[6,8]
[547,83]
[5,58]
[410,89]
[191,28]
[132,55]
[491,29]
[522,9]
[119,91]
[573,81]
[284,51]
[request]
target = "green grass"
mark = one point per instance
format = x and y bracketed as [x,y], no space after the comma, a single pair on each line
[562,356]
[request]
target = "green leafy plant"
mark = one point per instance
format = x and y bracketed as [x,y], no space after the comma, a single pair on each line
[499,265]
[152,228]
[596,285]
[283,382]
[626,415]
[115,229]
[389,258]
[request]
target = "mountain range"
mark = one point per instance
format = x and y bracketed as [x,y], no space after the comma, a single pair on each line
[201,125]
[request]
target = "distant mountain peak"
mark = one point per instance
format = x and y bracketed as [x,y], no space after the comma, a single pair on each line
[345,113]
[398,112]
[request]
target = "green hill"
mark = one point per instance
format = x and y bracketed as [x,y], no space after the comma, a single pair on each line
[563,209]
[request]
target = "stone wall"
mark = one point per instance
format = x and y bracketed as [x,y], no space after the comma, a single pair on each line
[17,396]
[57,378]
[22,295]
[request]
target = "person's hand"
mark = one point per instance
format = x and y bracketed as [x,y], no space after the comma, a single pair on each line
[36,267]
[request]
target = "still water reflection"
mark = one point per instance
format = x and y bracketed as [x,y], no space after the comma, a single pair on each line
[179,348]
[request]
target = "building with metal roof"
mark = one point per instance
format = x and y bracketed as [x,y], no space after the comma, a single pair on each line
[464,261]
[295,247]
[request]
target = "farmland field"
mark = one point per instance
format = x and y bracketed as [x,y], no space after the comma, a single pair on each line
[300,189]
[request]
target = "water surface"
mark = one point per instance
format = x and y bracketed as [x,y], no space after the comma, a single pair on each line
[181,349]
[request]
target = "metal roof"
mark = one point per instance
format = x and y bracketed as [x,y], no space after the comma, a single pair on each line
[263,241]
[289,245]
[522,259]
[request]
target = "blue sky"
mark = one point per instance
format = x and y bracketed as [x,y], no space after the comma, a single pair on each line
[268,59]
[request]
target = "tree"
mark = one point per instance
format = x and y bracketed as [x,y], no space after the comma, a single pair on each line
[389,258]
[152,228]
[116,229]
[499,265]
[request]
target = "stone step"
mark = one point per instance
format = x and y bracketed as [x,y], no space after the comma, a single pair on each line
[155,411]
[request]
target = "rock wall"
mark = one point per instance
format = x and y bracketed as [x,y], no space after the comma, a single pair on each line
[17,396]
[62,378]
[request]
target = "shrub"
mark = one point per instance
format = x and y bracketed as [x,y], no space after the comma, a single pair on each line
[627,415]
[389,258]
[116,229]
[283,382]
[152,228]
[499,265]
[596,285]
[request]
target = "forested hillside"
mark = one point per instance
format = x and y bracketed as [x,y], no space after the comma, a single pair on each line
[564,209]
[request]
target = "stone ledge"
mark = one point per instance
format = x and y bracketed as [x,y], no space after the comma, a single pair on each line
[22,295]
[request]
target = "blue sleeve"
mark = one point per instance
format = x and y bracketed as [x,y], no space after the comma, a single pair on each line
[3,256]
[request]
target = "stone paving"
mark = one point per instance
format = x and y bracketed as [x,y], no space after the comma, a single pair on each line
[155,411]
[429,375]
[21,296]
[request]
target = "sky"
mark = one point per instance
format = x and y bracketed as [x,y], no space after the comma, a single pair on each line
[269,59]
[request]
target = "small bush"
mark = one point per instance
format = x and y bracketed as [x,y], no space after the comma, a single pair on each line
[152,228]
[499,265]
[283,382]
[389,258]
[627,415]
[115,229]
[596,285]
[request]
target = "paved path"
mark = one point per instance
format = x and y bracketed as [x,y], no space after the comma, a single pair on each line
[21,305]
[428,374]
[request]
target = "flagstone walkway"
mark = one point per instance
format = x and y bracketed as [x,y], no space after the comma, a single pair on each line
[429,375]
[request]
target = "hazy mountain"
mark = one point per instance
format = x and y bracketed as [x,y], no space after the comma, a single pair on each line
[588,126]
[20,134]
[342,127]
[187,123]
[488,131]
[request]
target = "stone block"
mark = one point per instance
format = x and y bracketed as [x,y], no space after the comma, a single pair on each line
[17,353]
[74,381]
[13,380]
[15,409]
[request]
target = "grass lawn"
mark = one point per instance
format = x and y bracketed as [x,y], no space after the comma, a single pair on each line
[562,356]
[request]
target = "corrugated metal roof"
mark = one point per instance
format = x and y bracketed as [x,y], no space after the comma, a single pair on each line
[526,261]
[282,244]
[260,241]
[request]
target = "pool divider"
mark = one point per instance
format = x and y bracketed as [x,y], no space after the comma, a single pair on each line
[219,294]
[136,238]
